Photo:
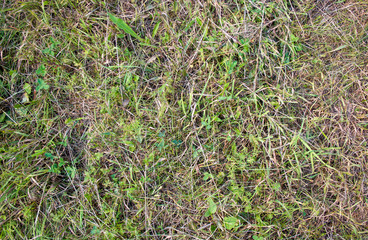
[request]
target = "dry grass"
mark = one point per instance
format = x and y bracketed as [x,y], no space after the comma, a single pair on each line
[228,120]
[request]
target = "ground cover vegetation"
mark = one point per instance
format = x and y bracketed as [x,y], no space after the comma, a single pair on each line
[183,119]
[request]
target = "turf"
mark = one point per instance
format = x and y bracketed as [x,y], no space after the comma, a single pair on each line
[213,119]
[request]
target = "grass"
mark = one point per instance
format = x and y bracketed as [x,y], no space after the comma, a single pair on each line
[183,119]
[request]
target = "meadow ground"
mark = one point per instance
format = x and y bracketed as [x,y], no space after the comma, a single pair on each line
[183,119]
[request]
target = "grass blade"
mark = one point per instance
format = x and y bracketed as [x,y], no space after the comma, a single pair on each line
[120,23]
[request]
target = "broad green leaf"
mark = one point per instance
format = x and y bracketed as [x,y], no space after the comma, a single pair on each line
[49,155]
[27,88]
[41,70]
[41,85]
[211,208]
[293,38]
[48,51]
[61,162]
[54,169]
[124,26]
[71,171]
[231,223]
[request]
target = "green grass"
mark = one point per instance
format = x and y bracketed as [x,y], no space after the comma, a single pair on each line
[183,119]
